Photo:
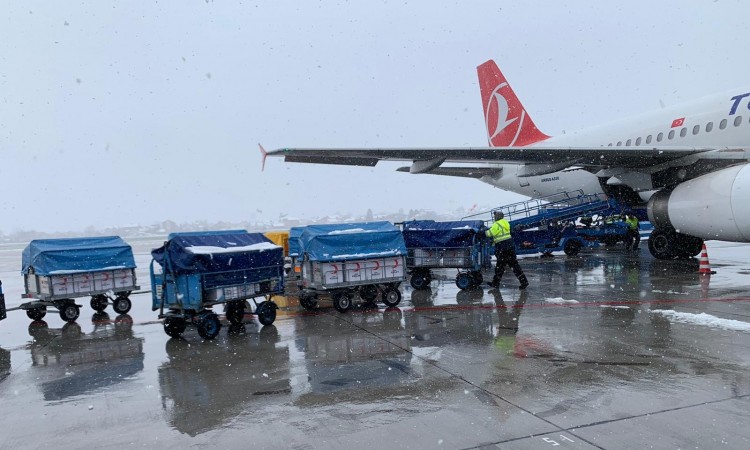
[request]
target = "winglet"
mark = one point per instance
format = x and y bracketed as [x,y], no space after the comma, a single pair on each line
[508,123]
[263,154]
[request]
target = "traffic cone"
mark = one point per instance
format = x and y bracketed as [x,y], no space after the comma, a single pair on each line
[704,268]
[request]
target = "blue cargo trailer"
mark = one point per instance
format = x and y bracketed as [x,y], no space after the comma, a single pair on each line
[368,259]
[58,270]
[192,272]
[458,244]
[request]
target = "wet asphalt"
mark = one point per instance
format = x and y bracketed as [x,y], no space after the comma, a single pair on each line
[589,356]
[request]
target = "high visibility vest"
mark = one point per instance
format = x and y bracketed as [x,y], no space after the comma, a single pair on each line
[632,223]
[499,231]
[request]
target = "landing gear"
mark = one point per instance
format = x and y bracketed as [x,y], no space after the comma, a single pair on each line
[665,244]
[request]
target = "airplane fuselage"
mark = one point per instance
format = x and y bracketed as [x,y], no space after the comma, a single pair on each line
[721,120]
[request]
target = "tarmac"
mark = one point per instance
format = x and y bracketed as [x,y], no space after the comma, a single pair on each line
[605,350]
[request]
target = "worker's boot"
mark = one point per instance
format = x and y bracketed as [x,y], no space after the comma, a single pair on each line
[524,282]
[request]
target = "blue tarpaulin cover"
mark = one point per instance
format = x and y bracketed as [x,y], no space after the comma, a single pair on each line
[352,241]
[295,248]
[218,251]
[59,256]
[431,234]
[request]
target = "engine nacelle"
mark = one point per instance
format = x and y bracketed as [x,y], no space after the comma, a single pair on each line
[712,206]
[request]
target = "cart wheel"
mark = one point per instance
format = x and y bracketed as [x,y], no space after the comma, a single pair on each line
[391,296]
[369,293]
[122,304]
[69,312]
[266,313]
[36,313]
[420,280]
[208,326]
[174,326]
[477,277]
[572,247]
[236,313]
[342,301]
[464,280]
[309,302]
[99,302]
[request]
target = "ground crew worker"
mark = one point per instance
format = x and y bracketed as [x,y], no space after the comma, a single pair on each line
[505,251]
[634,237]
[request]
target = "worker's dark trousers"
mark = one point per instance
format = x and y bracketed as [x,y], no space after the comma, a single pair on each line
[505,252]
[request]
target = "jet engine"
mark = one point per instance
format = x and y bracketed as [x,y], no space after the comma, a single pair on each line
[712,206]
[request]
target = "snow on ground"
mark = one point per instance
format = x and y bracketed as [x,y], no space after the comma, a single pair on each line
[560,301]
[704,319]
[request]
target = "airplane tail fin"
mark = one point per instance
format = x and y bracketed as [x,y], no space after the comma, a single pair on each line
[508,123]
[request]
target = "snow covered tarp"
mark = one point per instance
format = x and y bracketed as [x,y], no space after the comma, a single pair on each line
[295,247]
[217,251]
[76,255]
[342,242]
[431,234]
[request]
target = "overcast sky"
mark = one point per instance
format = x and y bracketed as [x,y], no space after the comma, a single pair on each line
[116,113]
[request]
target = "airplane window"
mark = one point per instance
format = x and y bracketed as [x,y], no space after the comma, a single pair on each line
[671,134]
[723,124]
[638,141]
[709,126]
[683,132]
[648,139]
[609,145]
[619,143]
[737,121]
[627,143]
[696,129]
[659,137]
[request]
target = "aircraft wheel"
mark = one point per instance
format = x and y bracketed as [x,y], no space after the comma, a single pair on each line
[661,244]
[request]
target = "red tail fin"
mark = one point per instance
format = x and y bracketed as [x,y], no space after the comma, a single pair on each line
[507,122]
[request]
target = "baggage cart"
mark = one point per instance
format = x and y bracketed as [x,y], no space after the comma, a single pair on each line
[192,272]
[341,260]
[56,271]
[438,245]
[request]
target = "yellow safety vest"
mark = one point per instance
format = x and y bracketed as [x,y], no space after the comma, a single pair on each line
[499,231]
[632,223]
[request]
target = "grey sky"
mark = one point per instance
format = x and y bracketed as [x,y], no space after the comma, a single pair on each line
[116,113]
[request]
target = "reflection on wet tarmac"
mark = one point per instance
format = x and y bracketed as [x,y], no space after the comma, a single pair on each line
[68,362]
[208,384]
[589,350]
[4,364]
[339,356]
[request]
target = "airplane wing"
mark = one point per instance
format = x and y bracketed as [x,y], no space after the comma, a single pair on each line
[465,172]
[540,159]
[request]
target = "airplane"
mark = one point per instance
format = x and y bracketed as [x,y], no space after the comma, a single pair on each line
[687,163]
